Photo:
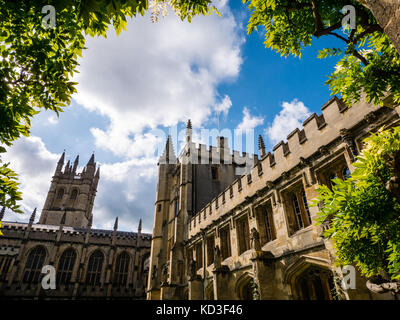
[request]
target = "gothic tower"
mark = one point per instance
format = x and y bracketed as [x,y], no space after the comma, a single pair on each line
[185,185]
[71,194]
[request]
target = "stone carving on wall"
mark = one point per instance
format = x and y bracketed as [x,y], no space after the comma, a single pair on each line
[255,240]
[217,257]
[165,273]
[192,269]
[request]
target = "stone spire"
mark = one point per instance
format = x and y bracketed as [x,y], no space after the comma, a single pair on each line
[32,218]
[76,162]
[168,156]
[139,234]
[67,168]
[189,131]
[116,224]
[60,163]
[91,160]
[261,146]
[91,167]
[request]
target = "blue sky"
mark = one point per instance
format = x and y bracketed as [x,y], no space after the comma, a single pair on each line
[154,76]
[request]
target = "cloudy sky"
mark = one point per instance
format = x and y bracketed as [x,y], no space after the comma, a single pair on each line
[134,87]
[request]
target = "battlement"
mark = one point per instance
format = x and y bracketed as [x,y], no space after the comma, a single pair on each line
[199,154]
[51,229]
[318,131]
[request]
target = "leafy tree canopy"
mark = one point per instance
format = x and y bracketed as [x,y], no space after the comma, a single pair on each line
[37,63]
[369,62]
[364,211]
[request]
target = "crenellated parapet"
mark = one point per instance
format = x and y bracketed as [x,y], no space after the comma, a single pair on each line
[200,154]
[335,123]
[15,230]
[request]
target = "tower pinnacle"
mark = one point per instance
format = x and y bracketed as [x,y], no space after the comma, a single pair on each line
[261,146]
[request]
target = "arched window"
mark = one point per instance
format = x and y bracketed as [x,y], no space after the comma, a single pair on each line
[34,265]
[5,262]
[94,269]
[65,266]
[315,284]
[74,194]
[60,193]
[299,212]
[346,173]
[121,269]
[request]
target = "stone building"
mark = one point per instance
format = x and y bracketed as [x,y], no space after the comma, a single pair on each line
[219,235]
[89,263]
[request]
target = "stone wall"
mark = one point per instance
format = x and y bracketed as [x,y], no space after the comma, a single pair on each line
[20,238]
[328,144]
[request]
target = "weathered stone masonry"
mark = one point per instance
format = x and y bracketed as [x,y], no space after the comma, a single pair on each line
[257,238]
[90,263]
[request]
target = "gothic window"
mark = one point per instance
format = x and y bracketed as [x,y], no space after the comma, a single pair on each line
[94,269]
[65,266]
[5,262]
[225,238]
[242,227]
[74,194]
[298,211]
[34,264]
[159,207]
[315,284]
[265,223]
[199,255]
[246,288]
[210,250]
[60,193]
[121,269]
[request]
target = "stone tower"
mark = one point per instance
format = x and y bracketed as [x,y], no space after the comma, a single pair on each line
[185,185]
[71,195]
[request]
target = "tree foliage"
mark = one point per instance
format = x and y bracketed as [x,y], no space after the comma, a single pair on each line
[37,63]
[369,61]
[364,210]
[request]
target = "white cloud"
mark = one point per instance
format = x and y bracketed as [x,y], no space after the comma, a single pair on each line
[152,75]
[224,106]
[53,119]
[126,189]
[291,117]
[35,166]
[157,74]
[249,122]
